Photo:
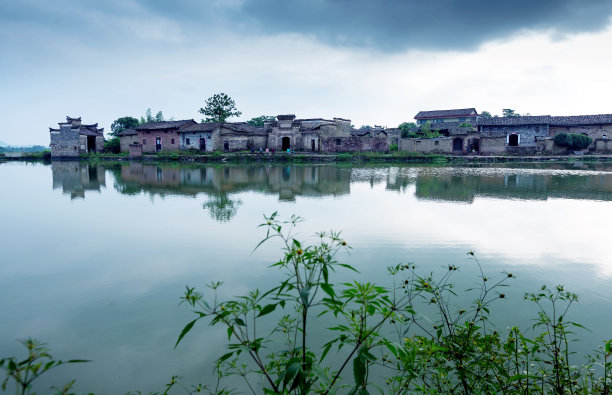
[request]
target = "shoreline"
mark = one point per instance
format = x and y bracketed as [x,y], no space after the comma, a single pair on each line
[321,158]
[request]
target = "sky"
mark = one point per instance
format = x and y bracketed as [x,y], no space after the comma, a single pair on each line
[374,62]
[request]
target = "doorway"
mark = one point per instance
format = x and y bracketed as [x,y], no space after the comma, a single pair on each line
[202,144]
[513,140]
[458,145]
[158,144]
[226,146]
[312,143]
[285,143]
[91,143]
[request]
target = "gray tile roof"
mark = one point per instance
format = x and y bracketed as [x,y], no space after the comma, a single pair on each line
[127,132]
[458,112]
[200,127]
[243,127]
[597,119]
[164,125]
[513,121]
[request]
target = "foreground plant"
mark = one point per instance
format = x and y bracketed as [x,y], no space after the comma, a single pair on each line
[38,362]
[412,337]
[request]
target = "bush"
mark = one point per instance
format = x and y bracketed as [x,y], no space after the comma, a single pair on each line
[112,146]
[393,147]
[573,141]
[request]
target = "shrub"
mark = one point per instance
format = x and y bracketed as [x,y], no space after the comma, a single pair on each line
[112,146]
[573,141]
[393,147]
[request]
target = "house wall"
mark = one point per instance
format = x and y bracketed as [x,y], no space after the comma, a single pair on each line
[147,139]
[353,143]
[435,145]
[527,133]
[593,131]
[65,143]
[492,145]
[238,141]
[125,141]
[603,145]
[194,140]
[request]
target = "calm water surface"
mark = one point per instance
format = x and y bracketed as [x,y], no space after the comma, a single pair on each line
[94,258]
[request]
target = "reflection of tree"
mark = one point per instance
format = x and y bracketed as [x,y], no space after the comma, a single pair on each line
[221,208]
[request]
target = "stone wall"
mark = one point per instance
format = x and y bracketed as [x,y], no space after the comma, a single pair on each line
[135,150]
[442,145]
[65,143]
[603,145]
[353,144]
[125,141]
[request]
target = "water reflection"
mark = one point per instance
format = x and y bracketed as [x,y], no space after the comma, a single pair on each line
[77,177]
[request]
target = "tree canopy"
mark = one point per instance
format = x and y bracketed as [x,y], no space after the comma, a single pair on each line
[259,121]
[159,117]
[218,108]
[509,113]
[123,123]
[485,114]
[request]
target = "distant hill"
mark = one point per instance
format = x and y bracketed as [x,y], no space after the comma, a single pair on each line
[3,144]
[32,148]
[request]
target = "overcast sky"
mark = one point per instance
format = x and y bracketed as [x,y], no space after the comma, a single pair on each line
[374,62]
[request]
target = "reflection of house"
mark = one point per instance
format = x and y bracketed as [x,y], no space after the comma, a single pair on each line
[76,177]
[161,136]
[74,138]
[286,182]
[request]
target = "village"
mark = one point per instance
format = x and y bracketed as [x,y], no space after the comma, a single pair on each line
[451,132]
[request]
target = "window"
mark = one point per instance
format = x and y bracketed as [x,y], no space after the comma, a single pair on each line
[338,141]
[144,141]
[436,142]
[187,141]
[171,141]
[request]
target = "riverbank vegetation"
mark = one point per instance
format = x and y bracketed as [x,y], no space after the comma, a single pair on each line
[312,334]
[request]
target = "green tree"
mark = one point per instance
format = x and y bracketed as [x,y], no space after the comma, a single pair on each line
[485,114]
[510,113]
[159,117]
[113,145]
[258,122]
[218,108]
[408,129]
[123,123]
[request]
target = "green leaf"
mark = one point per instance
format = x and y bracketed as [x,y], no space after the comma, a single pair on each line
[359,371]
[349,267]
[230,332]
[225,356]
[328,289]
[239,322]
[185,330]
[267,309]
[291,372]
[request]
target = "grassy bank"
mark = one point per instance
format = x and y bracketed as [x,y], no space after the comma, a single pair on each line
[306,157]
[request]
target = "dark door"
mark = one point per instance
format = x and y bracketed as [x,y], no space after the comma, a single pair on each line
[458,145]
[202,144]
[226,145]
[91,143]
[513,140]
[313,144]
[285,143]
[158,144]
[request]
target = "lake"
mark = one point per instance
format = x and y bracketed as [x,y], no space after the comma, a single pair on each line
[95,257]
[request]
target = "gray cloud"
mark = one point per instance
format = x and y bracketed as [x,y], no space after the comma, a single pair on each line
[434,24]
[387,25]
